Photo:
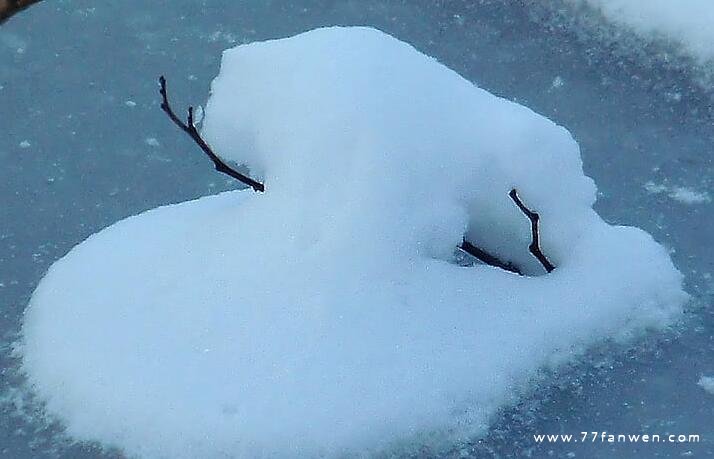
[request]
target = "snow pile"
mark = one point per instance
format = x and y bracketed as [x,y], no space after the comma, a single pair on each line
[327,316]
[686,22]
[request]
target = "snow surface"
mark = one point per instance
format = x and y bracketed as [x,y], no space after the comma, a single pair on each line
[687,22]
[326,316]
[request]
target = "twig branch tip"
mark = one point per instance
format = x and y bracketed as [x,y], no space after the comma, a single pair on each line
[534,246]
[190,129]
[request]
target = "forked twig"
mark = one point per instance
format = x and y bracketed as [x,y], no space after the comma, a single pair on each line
[534,247]
[190,129]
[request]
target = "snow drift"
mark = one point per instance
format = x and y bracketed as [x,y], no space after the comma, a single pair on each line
[327,315]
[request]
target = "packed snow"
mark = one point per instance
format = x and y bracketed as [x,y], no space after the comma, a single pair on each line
[685,22]
[327,315]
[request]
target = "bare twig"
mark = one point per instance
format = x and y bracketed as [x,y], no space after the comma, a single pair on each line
[487,258]
[10,7]
[190,129]
[477,252]
[534,247]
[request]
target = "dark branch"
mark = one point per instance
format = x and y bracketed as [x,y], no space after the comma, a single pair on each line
[190,129]
[487,258]
[534,247]
[11,7]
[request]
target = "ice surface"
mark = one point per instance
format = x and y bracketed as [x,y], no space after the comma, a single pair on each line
[681,194]
[707,383]
[326,316]
[687,22]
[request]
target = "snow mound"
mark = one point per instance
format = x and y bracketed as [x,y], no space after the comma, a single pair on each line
[327,315]
[686,22]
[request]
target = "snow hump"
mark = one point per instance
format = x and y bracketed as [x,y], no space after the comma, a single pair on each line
[327,316]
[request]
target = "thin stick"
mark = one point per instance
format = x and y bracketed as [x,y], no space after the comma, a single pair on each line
[487,258]
[534,247]
[190,129]
[478,253]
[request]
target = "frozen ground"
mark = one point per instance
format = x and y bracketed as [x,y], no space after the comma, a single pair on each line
[684,23]
[77,159]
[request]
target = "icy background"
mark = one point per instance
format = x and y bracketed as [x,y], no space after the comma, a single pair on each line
[84,144]
[684,23]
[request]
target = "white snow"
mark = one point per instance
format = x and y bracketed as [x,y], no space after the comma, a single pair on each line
[686,22]
[707,383]
[681,194]
[326,315]
[25,144]
[689,196]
